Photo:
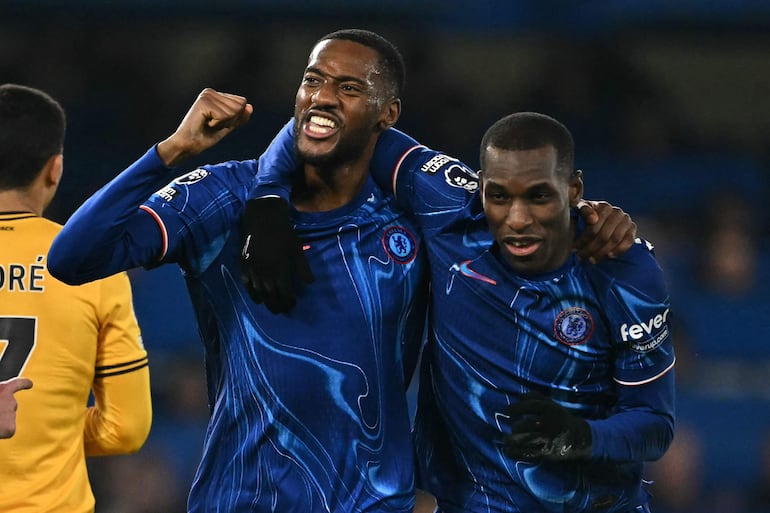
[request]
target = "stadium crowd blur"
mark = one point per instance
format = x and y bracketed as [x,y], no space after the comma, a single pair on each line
[671,115]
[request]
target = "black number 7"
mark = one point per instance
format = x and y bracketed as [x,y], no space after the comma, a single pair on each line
[19,335]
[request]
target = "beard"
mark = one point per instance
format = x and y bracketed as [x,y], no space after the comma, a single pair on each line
[349,148]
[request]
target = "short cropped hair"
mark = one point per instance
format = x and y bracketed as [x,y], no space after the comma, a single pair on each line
[391,60]
[529,131]
[32,126]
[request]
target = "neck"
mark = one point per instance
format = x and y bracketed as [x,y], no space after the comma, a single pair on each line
[16,201]
[322,190]
[329,186]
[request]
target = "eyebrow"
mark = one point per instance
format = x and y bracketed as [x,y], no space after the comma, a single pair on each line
[545,184]
[494,185]
[340,78]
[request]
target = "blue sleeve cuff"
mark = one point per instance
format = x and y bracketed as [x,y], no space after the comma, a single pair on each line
[152,159]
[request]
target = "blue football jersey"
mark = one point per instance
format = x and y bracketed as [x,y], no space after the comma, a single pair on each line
[594,338]
[308,409]
[575,334]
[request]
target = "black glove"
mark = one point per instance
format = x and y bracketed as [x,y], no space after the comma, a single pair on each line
[271,253]
[542,429]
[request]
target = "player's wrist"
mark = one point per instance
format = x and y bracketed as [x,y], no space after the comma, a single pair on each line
[171,153]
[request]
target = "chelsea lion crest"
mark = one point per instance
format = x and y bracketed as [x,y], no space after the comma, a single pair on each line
[573,326]
[399,244]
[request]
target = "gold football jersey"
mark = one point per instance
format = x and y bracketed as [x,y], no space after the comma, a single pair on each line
[69,341]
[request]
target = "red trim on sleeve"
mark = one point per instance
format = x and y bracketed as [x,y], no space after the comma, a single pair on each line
[398,165]
[163,233]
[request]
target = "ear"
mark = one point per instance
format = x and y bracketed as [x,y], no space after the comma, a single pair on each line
[391,113]
[53,170]
[575,188]
[47,182]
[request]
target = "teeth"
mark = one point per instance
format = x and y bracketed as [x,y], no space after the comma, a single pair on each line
[319,120]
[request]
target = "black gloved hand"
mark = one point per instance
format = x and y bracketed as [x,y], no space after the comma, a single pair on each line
[543,429]
[271,254]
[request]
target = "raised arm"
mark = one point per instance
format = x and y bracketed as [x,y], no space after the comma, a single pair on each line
[109,232]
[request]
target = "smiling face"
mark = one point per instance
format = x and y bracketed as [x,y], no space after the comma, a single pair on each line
[342,104]
[527,200]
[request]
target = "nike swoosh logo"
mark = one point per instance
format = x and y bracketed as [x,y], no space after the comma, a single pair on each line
[470,273]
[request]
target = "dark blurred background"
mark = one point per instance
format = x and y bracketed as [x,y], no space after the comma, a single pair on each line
[669,103]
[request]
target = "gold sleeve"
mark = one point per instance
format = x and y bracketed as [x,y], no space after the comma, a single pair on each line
[120,419]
